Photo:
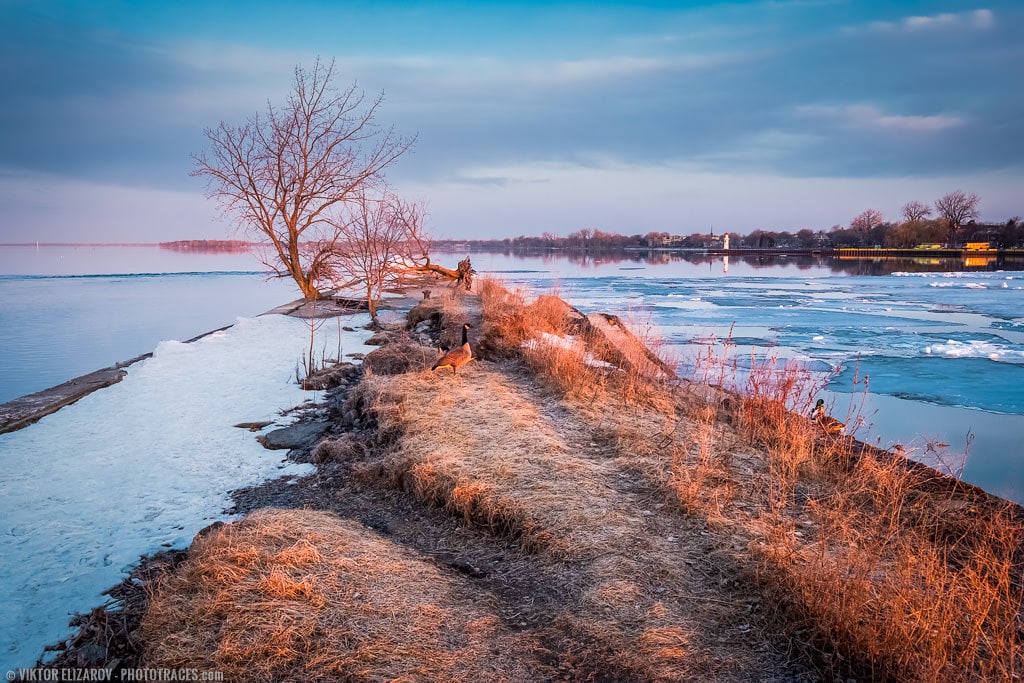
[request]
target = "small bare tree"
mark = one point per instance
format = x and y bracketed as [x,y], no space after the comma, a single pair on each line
[287,175]
[865,221]
[915,211]
[381,239]
[957,208]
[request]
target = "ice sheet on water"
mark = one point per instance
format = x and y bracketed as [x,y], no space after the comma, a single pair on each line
[745,342]
[864,341]
[990,348]
[971,383]
[144,463]
[1009,325]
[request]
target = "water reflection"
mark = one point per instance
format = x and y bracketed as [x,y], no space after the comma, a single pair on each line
[881,265]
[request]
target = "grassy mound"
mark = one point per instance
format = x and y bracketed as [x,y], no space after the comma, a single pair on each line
[302,595]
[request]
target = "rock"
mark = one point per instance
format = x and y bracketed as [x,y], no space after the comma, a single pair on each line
[91,654]
[253,426]
[207,530]
[299,435]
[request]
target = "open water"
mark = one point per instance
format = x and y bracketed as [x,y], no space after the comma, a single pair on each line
[68,310]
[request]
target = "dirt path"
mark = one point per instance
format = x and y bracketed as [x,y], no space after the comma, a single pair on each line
[635,586]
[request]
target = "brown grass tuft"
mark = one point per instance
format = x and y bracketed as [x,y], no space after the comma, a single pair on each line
[510,319]
[576,355]
[399,357]
[301,595]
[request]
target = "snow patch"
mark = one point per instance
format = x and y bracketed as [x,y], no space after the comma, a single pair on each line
[569,343]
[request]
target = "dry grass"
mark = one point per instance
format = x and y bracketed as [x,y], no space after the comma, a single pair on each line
[882,583]
[482,449]
[509,320]
[579,356]
[302,595]
[400,355]
[891,571]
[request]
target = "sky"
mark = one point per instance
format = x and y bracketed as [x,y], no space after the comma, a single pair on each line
[529,117]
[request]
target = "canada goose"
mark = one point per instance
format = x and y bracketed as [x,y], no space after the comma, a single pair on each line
[829,424]
[457,357]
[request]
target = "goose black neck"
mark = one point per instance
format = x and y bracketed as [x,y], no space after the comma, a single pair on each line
[465,336]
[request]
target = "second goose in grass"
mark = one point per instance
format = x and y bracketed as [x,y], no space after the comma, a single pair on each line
[828,423]
[457,357]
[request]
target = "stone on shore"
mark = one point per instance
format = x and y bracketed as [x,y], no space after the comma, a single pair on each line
[299,435]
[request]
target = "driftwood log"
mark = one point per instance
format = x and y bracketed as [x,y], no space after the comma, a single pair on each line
[463,275]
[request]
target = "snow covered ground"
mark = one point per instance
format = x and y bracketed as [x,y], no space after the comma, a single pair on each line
[141,465]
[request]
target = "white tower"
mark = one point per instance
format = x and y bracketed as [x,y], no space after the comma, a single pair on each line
[725,241]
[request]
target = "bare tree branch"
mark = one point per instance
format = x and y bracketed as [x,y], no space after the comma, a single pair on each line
[380,240]
[915,211]
[866,220]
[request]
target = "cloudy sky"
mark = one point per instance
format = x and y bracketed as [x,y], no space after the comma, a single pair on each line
[530,116]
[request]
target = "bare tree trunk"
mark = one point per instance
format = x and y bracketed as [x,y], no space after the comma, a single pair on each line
[371,305]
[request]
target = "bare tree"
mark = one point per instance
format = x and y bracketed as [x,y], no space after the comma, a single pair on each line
[957,208]
[915,211]
[287,175]
[380,239]
[866,220]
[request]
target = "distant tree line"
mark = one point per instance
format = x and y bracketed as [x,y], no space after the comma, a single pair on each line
[209,246]
[950,221]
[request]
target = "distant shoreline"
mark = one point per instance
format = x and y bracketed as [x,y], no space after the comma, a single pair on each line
[170,244]
[488,246]
[79,244]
